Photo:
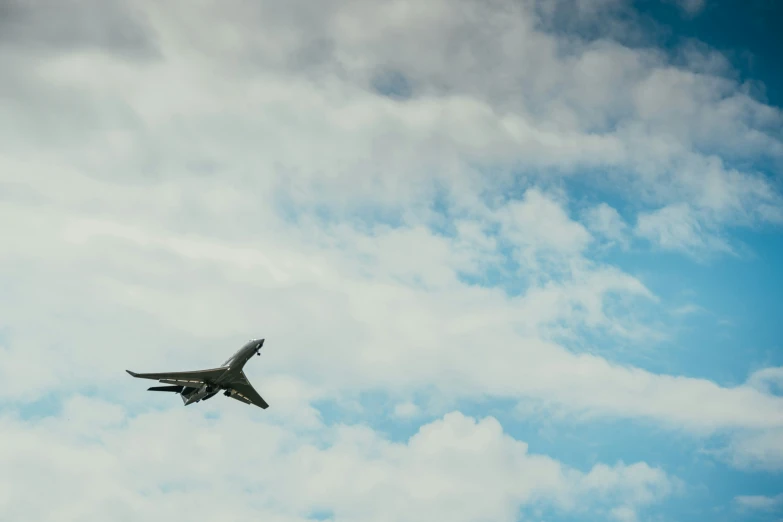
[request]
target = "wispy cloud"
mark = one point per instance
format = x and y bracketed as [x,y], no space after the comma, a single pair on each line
[687,309]
[691,7]
[759,502]
[677,228]
[605,221]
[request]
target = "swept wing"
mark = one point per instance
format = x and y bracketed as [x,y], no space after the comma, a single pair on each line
[197,377]
[243,391]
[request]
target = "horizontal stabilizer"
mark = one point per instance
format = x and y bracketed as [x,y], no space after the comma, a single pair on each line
[175,389]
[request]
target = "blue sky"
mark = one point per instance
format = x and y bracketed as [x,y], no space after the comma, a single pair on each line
[743,31]
[514,261]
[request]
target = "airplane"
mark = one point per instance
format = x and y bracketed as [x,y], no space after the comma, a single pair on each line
[201,385]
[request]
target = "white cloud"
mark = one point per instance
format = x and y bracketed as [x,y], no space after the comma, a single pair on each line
[143,466]
[676,227]
[759,502]
[624,514]
[382,333]
[406,410]
[229,173]
[756,450]
[538,224]
[769,380]
[606,221]
[310,84]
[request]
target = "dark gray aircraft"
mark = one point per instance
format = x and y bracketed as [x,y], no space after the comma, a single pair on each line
[201,385]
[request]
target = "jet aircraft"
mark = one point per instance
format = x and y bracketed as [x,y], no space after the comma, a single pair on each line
[201,385]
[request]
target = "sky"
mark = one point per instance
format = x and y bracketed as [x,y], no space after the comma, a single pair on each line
[513,261]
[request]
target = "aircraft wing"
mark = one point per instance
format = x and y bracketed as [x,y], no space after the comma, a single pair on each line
[247,394]
[182,378]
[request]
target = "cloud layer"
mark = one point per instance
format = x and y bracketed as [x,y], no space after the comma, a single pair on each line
[96,463]
[414,199]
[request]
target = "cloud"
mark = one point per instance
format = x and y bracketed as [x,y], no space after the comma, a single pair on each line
[389,194]
[347,293]
[112,26]
[691,7]
[606,221]
[143,466]
[769,380]
[620,108]
[759,502]
[537,223]
[687,309]
[762,450]
[753,451]
[676,227]
[406,410]
[623,514]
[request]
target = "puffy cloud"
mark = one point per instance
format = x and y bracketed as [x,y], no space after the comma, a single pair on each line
[538,224]
[511,94]
[95,462]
